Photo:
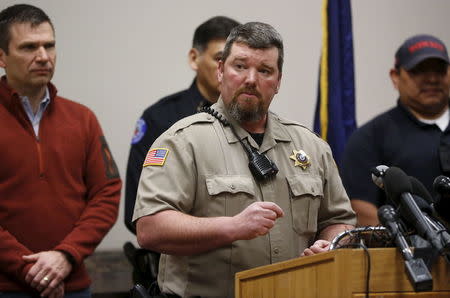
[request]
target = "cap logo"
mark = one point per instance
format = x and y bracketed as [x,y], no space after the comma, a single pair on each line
[425,44]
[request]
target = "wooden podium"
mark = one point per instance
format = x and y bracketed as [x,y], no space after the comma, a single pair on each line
[339,273]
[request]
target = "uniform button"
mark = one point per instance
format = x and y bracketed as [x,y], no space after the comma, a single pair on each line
[209,117]
[276,250]
[232,187]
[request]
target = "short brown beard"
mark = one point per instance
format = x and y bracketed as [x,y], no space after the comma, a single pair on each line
[240,115]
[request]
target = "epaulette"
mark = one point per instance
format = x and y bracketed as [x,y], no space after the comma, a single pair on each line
[192,120]
[285,121]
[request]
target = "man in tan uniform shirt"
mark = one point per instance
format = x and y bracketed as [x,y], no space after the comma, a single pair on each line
[199,204]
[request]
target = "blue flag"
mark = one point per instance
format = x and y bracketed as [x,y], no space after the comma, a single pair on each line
[334,119]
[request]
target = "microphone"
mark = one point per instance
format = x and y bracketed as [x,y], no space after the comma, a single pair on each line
[378,173]
[441,186]
[399,188]
[419,191]
[423,198]
[427,204]
[389,219]
[417,271]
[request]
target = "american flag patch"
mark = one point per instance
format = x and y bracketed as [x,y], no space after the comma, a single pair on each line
[156,157]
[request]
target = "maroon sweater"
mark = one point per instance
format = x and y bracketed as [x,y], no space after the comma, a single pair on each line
[60,192]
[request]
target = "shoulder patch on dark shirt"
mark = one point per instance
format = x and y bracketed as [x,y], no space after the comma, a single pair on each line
[139,131]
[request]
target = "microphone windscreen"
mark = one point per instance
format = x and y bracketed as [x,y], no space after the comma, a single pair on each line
[396,182]
[419,189]
[386,214]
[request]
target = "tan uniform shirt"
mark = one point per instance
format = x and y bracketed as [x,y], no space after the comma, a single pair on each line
[206,174]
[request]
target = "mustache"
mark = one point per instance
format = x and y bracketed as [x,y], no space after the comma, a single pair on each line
[431,88]
[248,90]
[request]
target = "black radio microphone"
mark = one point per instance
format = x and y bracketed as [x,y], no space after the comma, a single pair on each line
[389,219]
[417,271]
[441,186]
[419,189]
[428,205]
[398,187]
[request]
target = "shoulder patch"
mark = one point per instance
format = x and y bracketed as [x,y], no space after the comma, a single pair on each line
[139,131]
[156,157]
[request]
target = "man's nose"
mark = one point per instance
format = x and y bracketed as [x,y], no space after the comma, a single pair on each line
[251,77]
[42,54]
[433,76]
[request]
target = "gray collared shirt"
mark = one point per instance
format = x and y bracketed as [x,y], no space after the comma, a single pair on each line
[35,119]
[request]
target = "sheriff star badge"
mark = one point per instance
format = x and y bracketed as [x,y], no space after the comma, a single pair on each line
[300,159]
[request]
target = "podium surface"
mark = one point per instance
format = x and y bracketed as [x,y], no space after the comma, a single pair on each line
[339,273]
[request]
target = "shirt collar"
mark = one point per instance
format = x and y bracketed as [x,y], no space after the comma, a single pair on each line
[423,122]
[441,121]
[198,101]
[44,102]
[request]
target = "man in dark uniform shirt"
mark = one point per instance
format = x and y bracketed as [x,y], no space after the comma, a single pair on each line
[209,40]
[414,135]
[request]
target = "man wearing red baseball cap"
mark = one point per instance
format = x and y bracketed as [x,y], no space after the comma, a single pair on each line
[413,136]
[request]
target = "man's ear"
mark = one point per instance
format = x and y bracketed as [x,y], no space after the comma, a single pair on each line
[193,56]
[220,71]
[395,76]
[279,84]
[2,58]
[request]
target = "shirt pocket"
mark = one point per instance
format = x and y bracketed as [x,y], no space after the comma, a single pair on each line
[229,194]
[306,193]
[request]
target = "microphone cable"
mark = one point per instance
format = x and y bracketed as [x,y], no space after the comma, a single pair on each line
[369,262]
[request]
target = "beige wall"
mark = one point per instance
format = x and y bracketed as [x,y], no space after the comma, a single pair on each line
[118,57]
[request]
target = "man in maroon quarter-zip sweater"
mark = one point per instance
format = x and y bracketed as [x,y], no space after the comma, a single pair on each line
[59,185]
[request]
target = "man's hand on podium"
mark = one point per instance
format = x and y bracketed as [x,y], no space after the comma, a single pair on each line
[318,247]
